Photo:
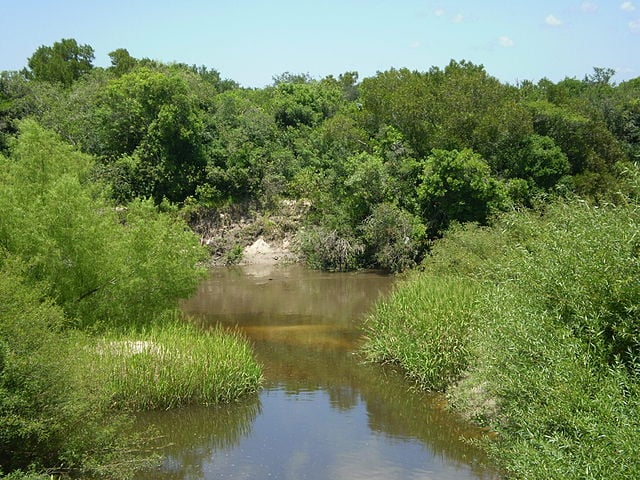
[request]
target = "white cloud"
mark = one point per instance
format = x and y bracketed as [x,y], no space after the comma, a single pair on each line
[457,18]
[588,7]
[553,21]
[414,44]
[627,6]
[439,12]
[505,41]
[634,25]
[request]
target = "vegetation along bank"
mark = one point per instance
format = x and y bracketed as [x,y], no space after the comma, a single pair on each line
[515,207]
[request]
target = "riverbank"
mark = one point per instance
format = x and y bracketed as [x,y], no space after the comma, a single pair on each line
[530,327]
[89,322]
[240,234]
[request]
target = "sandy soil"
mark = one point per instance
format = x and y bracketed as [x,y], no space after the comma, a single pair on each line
[263,253]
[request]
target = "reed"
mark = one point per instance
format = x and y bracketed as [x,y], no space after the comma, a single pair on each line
[175,363]
[423,327]
[532,328]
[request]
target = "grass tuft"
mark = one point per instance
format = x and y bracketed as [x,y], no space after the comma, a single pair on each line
[174,364]
[423,327]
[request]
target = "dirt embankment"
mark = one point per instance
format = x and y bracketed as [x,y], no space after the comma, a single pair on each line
[241,235]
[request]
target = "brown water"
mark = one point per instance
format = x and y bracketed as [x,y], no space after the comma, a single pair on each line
[322,414]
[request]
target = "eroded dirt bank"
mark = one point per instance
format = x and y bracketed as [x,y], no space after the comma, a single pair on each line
[239,234]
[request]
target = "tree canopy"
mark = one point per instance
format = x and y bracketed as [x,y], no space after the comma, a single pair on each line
[442,145]
[64,62]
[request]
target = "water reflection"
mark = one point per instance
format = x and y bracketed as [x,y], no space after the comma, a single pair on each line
[189,437]
[323,413]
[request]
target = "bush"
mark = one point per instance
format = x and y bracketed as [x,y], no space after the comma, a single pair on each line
[52,417]
[394,236]
[325,249]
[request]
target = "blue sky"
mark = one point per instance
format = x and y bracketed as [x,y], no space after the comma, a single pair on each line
[250,41]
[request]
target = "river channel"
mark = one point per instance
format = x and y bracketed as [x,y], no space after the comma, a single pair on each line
[323,413]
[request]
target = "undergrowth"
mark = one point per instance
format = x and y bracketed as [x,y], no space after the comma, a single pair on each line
[546,308]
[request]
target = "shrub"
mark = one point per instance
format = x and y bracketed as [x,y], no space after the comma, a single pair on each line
[325,249]
[52,417]
[395,237]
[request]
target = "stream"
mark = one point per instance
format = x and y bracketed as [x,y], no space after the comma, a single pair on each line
[323,413]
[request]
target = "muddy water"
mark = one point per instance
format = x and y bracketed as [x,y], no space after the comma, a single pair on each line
[323,414]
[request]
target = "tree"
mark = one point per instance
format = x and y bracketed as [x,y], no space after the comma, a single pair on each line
[52,418]
[297,104]
[64,62]
[600,76]
[541,161]
[121,62]
[591,148]
[288,77]
[457,185]
[405,100]
[153,134]
[99,264]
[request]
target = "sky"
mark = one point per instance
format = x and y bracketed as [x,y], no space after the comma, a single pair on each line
[252,41]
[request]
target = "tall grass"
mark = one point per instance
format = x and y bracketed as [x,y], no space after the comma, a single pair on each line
[423,327]
[545,308]
[174,363]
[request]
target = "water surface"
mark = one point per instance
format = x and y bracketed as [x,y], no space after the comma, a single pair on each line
[323,413]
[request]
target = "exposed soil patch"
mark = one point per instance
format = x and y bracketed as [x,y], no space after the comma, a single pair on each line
[241,235]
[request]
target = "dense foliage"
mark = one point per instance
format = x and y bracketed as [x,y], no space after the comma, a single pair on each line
[83,284]
[531,325]
[439,146]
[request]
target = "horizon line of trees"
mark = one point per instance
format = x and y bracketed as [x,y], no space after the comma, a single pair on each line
[388,161]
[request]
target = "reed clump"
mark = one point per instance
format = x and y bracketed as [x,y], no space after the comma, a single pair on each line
[174,363]
[424,327]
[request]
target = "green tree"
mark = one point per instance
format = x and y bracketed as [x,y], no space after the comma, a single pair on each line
[298,104]
[455,108]
[153,134]
[100,265]
[245,159]
[367,183]
[541,162]
[590,147]
[405,100]
[121,62]
[64,62]
[458,186]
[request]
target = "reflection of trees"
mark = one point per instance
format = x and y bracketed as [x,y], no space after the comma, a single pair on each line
[394,408]
[304,329]
[286,294]
[189,437]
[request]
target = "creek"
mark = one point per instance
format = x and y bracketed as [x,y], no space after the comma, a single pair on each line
[323,413]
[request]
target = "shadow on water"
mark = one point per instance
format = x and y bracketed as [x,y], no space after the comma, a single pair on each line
[323,413]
